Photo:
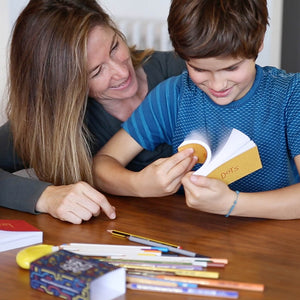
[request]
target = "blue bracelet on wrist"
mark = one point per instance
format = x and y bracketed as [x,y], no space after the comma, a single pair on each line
[233,204]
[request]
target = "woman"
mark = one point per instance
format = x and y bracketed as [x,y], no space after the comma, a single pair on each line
[63,52]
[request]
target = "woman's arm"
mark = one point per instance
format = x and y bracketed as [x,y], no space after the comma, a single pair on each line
[16,192]
[163,177]
[73,203]
[20,193]
[214,196]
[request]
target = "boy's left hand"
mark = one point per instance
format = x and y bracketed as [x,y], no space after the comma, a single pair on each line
[207,194]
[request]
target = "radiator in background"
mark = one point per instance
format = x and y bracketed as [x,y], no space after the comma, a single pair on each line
[146,33]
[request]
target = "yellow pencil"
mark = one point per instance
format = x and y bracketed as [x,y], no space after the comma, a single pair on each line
[123,234]
[179,272]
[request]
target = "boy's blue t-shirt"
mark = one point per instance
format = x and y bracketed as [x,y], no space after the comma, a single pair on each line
[269,114]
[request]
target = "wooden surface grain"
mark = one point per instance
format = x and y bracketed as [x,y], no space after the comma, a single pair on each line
[258,250]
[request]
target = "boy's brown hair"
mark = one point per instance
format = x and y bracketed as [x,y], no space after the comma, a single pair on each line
[212,28]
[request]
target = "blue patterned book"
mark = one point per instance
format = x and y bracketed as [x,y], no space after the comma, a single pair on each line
[73,276]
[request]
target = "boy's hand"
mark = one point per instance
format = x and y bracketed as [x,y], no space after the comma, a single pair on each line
[163,177]
[206,194]
[74,203]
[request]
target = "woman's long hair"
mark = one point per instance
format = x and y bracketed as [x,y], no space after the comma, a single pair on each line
[48,87]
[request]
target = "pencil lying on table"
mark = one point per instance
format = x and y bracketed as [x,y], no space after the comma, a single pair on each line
[184,290]
[151,242]
[176,259]
[120,262]
[155,281]
[182,272]
[215,283]
[129,236]
[159,278]
[107,249]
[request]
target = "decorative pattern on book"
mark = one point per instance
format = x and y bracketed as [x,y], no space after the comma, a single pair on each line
[73,276]
[237,158]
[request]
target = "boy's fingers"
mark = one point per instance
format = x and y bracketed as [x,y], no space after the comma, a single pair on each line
[177,158]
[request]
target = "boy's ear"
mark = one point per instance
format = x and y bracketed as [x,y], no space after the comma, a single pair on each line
[261,47]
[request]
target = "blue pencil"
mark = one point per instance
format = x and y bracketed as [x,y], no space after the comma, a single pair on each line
[184,290]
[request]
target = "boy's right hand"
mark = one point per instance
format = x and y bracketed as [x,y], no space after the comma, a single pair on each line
[74,203]
[163,177]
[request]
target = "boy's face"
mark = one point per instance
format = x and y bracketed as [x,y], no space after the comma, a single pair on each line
[223,79]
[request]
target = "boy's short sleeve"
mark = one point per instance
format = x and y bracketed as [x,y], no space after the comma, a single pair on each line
[153,122]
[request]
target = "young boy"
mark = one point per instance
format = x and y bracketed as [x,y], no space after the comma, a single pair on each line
[223,88]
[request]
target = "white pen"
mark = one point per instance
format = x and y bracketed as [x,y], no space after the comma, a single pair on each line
[178,259]
[107,249]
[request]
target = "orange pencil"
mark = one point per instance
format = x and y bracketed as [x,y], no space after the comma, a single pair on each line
[216,283]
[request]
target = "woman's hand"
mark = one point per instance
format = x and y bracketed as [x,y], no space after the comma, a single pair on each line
[206,194]
[74,203]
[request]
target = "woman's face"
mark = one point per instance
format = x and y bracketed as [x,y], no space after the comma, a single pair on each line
[111,73]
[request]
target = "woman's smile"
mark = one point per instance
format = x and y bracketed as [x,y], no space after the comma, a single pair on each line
[123,85]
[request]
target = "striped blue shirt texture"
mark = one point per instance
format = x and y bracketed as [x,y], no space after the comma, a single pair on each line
[269,114]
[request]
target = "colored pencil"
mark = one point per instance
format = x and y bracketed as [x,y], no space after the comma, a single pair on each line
[179,272]
[201,264]
[178,259]
[187,291]
[150,242]
[154,265]
[123,234]
[106,249]
[216,283]
[157,281]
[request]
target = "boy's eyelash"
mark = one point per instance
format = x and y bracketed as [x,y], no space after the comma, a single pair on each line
[198,70]
[232,68]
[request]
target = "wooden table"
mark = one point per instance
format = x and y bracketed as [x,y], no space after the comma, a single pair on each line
[258,250]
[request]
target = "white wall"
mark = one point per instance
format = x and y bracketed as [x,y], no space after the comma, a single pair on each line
[4,33]
[9,10]
[148,9]
[271,54]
